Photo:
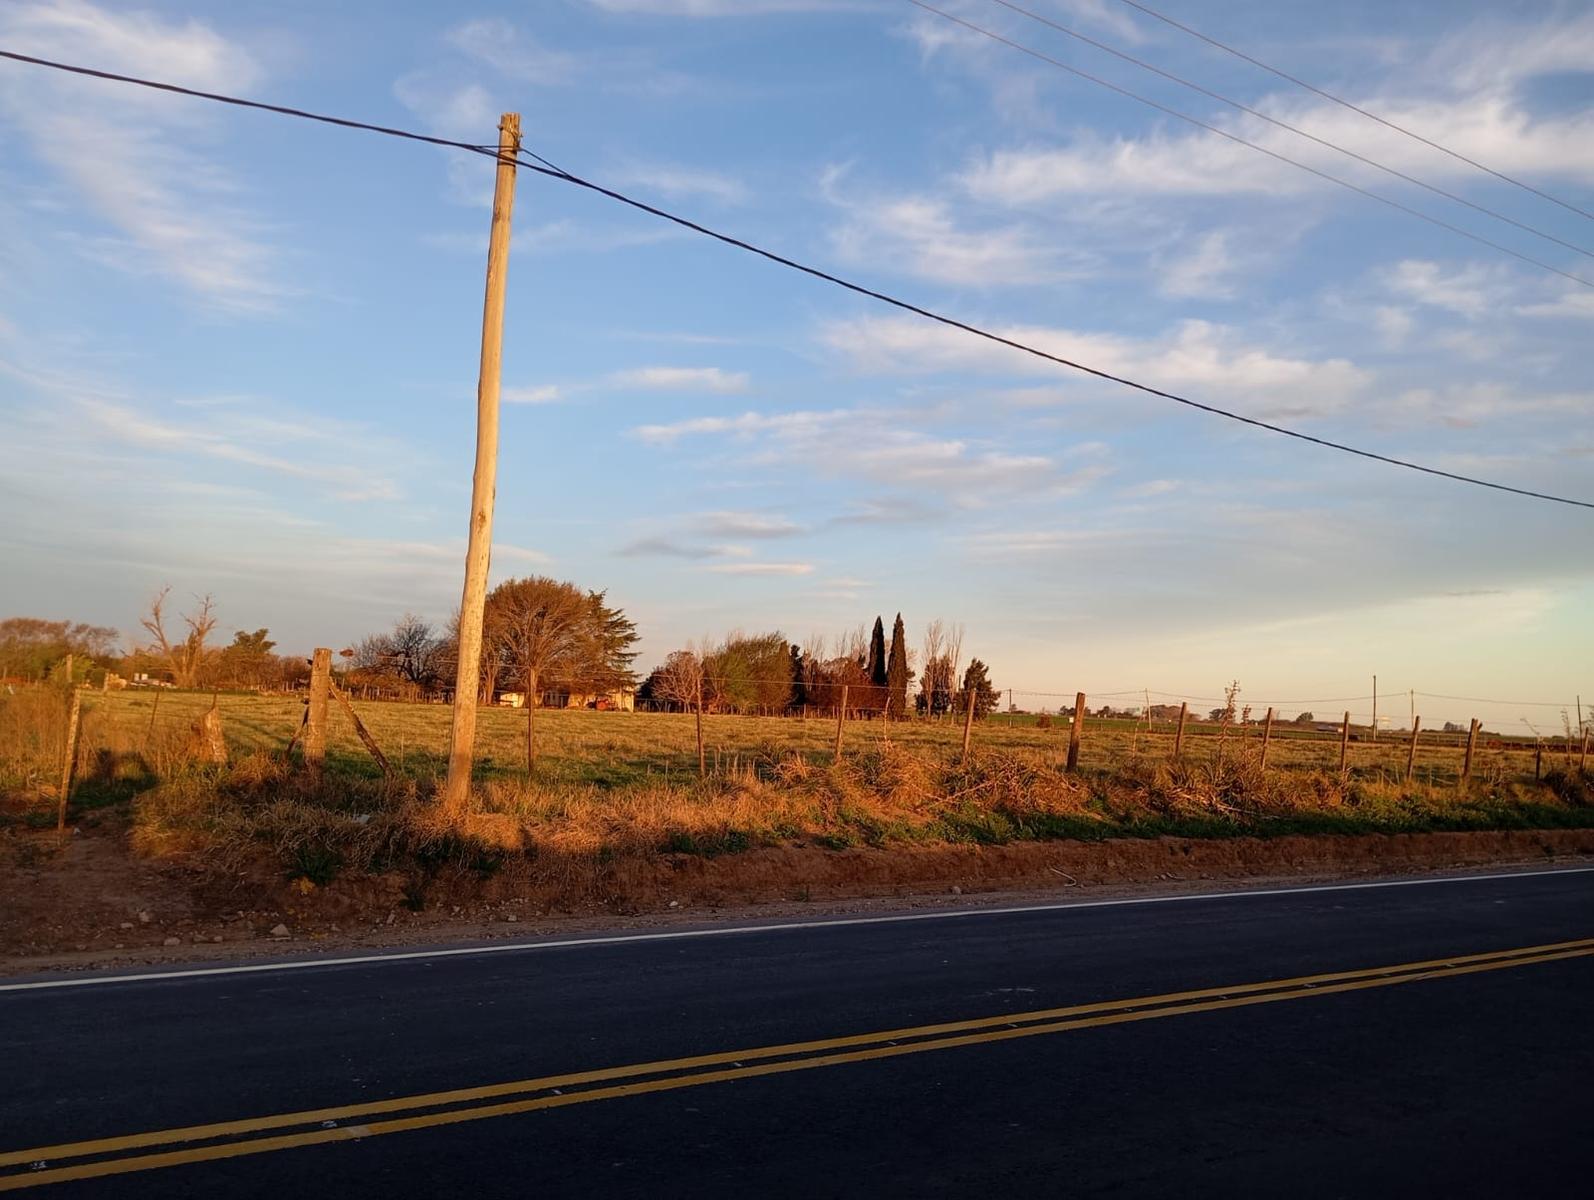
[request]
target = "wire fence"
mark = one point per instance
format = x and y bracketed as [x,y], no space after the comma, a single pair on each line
[142,735]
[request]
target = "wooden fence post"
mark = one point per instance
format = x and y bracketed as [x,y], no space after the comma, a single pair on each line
[841,719]
[1267,735]
[1076,731]
[1582,758]
[69,759]
[1178,736]
[1411,753]
[968,723]
[1538,758]
[359,728]
[1344,742]
[315,730]
[1472,741]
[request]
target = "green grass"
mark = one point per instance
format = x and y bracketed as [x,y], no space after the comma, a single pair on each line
[618,749]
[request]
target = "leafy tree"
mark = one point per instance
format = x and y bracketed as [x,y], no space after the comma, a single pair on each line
[897,672]
[1304,718]
[248,660]
[977,681]
[549,634]
[749,674]
[31,648]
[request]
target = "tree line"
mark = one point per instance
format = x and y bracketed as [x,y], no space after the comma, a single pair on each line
[767,674]
[548,640]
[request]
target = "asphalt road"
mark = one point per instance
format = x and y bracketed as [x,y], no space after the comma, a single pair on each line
[1468,1076]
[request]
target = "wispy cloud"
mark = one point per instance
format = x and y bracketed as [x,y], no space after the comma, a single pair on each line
[682,182]
[748,525]
[167,208]
[762,568]
[681,379]
[545,393]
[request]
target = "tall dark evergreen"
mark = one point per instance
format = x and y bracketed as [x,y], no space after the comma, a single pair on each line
[877,654]
[897,673]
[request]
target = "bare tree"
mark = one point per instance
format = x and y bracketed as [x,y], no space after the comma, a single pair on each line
[184,658]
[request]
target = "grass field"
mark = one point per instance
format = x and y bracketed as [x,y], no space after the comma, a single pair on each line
[618,749]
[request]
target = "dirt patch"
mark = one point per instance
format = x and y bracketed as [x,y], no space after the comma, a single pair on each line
[92,902]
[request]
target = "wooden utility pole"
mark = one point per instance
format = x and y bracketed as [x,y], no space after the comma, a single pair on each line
[1411,753]
[968,723]
[69,759]
[1472,742]
[1344,742]
[1375,708]
[1075,731]
[478,549]
[1178,737]
[315,724]
[841,719]
[702,760]
[1267,735]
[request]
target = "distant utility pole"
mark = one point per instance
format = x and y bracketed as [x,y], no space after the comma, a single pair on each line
[478,550]
[1375,708]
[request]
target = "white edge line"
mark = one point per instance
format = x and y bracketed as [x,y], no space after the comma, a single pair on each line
[727,930]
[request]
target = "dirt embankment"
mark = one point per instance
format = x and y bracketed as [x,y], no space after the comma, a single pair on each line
[92,902]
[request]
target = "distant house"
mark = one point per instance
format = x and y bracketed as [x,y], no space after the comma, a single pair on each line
[618,700]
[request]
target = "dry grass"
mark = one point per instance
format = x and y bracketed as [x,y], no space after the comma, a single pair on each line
[613,786]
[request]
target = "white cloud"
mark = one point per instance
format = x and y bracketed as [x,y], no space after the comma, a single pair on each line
[722,8]
[1194,355]
[762,568]
[1469,291]
[127,152]
[873,445]
[513,53]
[1206,271]
[682,379]
[541,394]
[747,525]
[920,236]
[1467,405]
[679,182]
[1394,325]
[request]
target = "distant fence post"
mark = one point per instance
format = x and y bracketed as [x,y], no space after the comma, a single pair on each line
[1472,742]
[841,719]
[1582,758]
[315,729]
[1411,752]
[1075,731]
[1178,736]
[1267,735]
[1538,758]
[69,759]
[1344,742]
[968,723]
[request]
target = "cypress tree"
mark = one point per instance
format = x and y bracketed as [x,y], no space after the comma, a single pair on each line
[897,673]
[877,654]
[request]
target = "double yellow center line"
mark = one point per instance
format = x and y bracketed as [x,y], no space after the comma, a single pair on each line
[231,1139]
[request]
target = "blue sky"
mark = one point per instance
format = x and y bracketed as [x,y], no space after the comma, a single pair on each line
[238,353]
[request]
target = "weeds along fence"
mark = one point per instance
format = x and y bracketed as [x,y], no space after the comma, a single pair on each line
[130,740]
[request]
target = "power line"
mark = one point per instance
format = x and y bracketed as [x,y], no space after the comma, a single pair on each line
[542,167]
[1343,103]
[1285,125]
[1238,140]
